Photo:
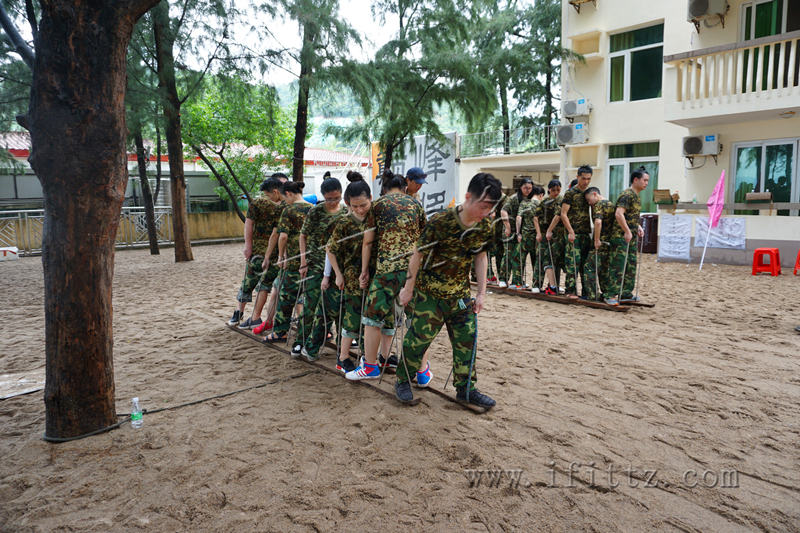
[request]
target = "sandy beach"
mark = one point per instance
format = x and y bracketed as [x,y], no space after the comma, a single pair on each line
[683,417]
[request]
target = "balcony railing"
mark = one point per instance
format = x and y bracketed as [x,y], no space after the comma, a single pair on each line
[515,141]
[738,72]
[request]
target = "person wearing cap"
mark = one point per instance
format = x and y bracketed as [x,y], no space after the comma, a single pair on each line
[415,179]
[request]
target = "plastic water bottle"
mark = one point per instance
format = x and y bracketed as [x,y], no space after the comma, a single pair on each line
[136,414]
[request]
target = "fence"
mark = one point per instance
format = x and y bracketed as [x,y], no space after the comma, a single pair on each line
[516,141]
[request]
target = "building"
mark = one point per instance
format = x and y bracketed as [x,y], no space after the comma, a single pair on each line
[687,89]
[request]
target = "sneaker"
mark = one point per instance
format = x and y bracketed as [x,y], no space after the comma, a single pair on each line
[236,318]
[502,284]
[345,366]
[611,301]
[424,377]
[552,291]
[265,326]
[535,290]
[364,371]
[250,323]
[403,391]
[475,397]
[388,363]
[354,343]
[297,349]
[493,279]
[308,356]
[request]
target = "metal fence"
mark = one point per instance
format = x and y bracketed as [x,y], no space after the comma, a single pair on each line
[23,229]
[516,141]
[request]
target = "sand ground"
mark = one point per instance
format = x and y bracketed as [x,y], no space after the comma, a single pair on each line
[692,406]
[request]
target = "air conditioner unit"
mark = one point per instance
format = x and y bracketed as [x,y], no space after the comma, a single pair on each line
[698,10]
[575,108]
[572,133]
[701,145]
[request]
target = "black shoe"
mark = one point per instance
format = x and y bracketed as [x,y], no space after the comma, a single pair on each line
[297,350]
[250,323]
[390,363]
[475,397]
[345,366]
[797,329]
[403,391]
[236,318]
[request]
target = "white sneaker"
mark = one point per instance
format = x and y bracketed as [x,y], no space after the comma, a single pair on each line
[502,284]
[535,290]
[364,371]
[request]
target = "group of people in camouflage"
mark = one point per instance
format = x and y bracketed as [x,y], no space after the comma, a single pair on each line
[581,233]
[365,266]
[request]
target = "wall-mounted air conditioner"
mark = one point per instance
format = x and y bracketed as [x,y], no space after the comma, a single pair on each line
[575,108]
[701,145]
[577,133]
[702,10]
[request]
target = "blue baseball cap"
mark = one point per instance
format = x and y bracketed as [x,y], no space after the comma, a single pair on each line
[417,175]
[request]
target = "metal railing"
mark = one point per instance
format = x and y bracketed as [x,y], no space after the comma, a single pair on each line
[515,141]
[24,229]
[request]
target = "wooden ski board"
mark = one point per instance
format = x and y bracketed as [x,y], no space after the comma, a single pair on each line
[526,293]
[637,304]
[325,364]
[321,363]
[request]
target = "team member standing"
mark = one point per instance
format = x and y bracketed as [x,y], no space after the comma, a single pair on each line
[623,259]
[289,226]
[575,217]
[527,236]
[313,237]
[509,214]
[548,221]
[596,268]
[395,222]
[439,270]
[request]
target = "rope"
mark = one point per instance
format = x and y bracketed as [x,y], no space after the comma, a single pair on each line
[127,416]
[624,266]
[474,351]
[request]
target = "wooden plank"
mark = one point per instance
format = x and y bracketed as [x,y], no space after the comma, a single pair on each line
[559,299]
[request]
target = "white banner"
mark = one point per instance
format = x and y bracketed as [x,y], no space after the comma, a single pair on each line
[729,233]
[438,161]
[675,236]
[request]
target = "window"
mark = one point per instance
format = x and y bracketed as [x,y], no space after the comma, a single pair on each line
[624,159]
[765,18]
[636,60]
[766,166]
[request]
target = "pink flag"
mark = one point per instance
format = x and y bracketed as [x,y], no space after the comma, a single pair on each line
[716,202]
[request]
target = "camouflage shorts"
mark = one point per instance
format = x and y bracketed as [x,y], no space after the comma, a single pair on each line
[253,275]
[381,297]
[351,318]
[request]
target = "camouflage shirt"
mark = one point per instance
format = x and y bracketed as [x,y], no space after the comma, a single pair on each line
[448,248]
[629,199]
[291,223]
[265,215]
[398,220]
[604,211]
[545,212]
[512,208]
[317,229]
[497,223]
[578,213]
[345,243]
[527,210]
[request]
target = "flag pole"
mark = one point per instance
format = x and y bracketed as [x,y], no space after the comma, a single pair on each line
[708,234]
[715,205]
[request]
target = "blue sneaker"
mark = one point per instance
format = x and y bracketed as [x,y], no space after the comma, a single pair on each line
[364,371]
[424,377]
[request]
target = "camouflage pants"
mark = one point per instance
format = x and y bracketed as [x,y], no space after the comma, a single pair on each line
[616,265]
[325,314]
[287,299]
[380,299]
[596,260]
[553,255]
[575,258]
[426,321]
[529,247]
[254,279]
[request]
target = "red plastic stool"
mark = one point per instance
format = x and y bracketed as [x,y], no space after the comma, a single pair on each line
[774,266]
[797,263]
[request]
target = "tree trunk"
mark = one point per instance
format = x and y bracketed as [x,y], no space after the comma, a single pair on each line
[506,120]
[164,41]
[147,197]
[77,124]
[301,124]
[158,162]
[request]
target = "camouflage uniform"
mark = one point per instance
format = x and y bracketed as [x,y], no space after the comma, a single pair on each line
[629,200]
[398,220]
[291,222]
[598,259]
[527,211]
[442,296]
[552,252]
[264,213]
[497,250]
[575,253]
[316,228]
[511,207]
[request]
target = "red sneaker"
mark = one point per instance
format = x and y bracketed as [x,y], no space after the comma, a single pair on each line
[265,326]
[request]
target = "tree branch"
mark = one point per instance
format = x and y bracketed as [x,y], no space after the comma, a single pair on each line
[21,47]
[31,13]
[233,175]
[221,181]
